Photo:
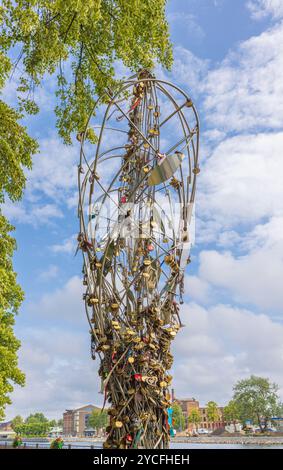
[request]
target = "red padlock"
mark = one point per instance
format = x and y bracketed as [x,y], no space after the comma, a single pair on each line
[138,377]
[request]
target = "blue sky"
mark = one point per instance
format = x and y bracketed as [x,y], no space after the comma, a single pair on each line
[228,56]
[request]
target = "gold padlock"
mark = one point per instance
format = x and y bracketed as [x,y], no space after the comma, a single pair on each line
[147,262]
[118,424]
[114,306]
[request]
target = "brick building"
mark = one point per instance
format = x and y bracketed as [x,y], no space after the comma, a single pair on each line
[188,404]
[75,422]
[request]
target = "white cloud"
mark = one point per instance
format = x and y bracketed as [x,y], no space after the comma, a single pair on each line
[188,21]
[50,184]
[50,273]
[188,70]
[59,371]
[197,289]
[264,236]
[54,170]
[255,278]
[246,91]
[241,181]
[221,345]
[67,246]
[34,214]
[55,354]
[63,304]
[261,8]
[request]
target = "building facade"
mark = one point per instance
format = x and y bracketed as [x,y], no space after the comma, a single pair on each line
[6,430]
[75,422]
[7,426]
[188,404]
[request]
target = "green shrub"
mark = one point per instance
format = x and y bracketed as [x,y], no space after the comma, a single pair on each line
[17,442]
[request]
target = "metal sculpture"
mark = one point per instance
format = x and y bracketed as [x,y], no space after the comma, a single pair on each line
[136,197]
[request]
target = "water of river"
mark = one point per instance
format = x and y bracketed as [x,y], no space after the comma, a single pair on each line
[173,445]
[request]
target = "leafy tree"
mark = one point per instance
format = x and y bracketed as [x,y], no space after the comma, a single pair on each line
[53,423]
[194,417]
[232,412]
[10,299]
[178,417]
[212,412]
[39,429]
[18,420]
[257,400]
[80,41]
[98,419]
[36,418]
[60,422]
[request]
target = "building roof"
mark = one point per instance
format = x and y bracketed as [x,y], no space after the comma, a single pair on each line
[185,399]
[85,407]
[5,424]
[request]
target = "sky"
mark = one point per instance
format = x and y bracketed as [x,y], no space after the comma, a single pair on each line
[229,58]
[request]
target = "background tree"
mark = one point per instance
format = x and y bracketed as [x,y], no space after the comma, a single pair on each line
[60,423]
[10,299]
[36,418]
[53,423]
[98,419]
[80,41]
[232,412]
[16,421]
[33,429]
[257,400]
[212,412]
[178,417]
[194,417]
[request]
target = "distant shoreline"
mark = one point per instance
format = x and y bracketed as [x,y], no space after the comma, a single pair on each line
[266,441]
[244,440]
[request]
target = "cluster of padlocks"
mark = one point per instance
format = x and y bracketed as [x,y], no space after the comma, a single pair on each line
[136,212]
